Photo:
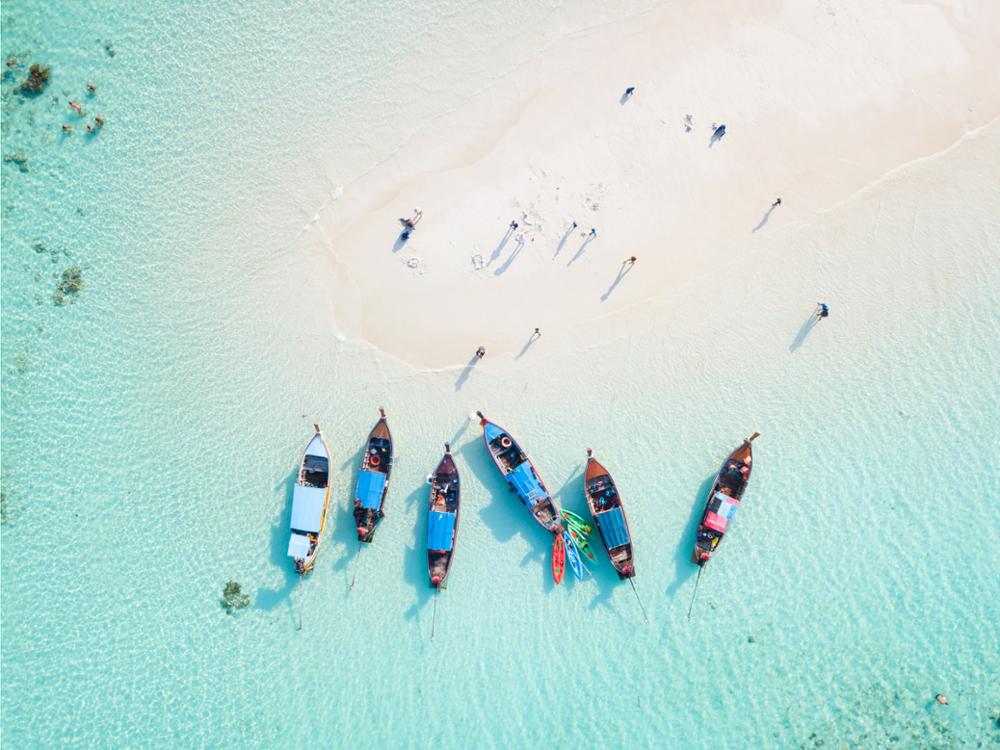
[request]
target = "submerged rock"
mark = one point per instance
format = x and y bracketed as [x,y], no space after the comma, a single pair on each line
[70,286]
[234,598]
[37,80]
[18,158]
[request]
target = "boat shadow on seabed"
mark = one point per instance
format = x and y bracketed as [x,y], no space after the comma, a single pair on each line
[685,545]
[415,555]
[340,516]
[269,598]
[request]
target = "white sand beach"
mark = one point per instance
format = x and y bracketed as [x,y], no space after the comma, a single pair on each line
[819,100]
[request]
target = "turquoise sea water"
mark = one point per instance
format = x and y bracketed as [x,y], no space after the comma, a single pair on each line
[152,424]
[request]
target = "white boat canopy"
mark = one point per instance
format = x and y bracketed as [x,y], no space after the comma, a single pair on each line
[307,507]
[298,546]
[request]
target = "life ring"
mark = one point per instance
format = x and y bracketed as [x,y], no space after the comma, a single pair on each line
[375,460]
[505,441]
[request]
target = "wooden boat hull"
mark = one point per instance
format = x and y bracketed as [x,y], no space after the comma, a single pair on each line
[445,501]
[723,499]
[521,475]
[310,502]
[609,517]
[373,480]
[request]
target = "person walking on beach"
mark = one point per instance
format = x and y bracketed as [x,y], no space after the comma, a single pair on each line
[513,225]
[480,352]
[822,311]
[593,232]
[777,202]
[717,133]
[536,335]
[573,225]
[412,222]
[629,91]
[629,261]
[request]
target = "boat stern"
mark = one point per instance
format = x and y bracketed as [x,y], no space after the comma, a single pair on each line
[700,556]
[625,572]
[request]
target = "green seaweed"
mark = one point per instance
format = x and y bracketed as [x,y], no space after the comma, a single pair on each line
[234,598]
[37,80]
[878,718]
[18,158]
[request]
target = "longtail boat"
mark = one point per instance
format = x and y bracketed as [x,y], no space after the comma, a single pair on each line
[609,516]
[310,499]
[723,500]
[521,475]
[442,519]
[373,479]
[523,479]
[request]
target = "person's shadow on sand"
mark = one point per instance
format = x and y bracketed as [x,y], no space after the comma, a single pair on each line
[579,252]
[800,338]
[626,267]
[527,345]
[499,248]
[763,220]
[562,241]
[510,259]
[466,372]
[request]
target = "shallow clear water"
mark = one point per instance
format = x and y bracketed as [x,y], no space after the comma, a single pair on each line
[151,427]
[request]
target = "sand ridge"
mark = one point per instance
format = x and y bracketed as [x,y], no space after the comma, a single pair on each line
[818,102]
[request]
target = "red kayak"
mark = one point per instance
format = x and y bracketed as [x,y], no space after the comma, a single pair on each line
[558,559]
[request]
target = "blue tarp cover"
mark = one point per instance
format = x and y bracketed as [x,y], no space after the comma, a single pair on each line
[526,483]
[370,484]
[613,527]
[440,529]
